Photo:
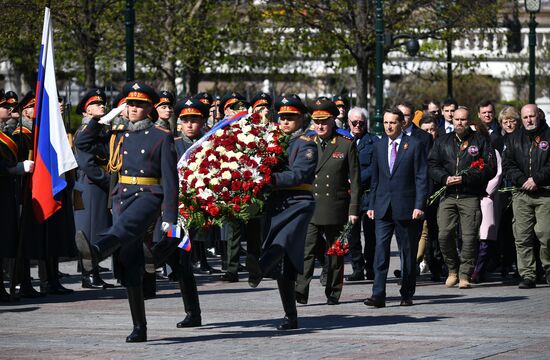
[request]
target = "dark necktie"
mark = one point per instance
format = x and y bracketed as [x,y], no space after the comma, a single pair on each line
[393,155]
[323,144]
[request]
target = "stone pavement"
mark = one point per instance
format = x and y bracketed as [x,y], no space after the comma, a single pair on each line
[494,320]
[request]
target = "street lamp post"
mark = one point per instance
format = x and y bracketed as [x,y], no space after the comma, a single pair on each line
[129,21]
[532,7]
[378,70]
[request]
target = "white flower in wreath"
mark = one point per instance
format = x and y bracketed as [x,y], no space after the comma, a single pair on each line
[219,133]
[194,166]
[214,181]
[226,175]
[233,165]
[205,193]
[246,129]
[199,183]
[190,178]
[212,157]
[207,145]
[221,150]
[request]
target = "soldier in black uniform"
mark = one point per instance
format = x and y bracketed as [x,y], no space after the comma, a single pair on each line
[92,186]
[261,104]
[148,185]
[289,209]
[231,104]
[165,108]
[8,101]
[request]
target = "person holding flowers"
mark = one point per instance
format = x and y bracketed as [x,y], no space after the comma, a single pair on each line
[463,162]
[288,211]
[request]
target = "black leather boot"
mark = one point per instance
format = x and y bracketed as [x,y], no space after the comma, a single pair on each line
[49,278]
[190,296]
[92,254]
[26,289]
[137,309]
[288,298]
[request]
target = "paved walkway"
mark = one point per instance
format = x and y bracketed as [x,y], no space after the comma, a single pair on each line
[493,320]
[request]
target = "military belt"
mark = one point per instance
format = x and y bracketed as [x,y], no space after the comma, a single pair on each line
[302,187]
[138,180]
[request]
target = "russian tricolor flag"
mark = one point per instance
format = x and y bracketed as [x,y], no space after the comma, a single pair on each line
[52,152]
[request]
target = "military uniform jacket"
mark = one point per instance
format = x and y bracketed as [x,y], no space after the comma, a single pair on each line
[8,210]
[289,208]
[337,184]
[145,153]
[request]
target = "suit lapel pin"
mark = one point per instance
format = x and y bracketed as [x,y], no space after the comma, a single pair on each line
[405,146]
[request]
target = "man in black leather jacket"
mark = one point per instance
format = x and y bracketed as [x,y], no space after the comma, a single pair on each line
[452,163]
[526,163]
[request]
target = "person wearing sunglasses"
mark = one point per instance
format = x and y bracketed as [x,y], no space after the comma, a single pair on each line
[362,258]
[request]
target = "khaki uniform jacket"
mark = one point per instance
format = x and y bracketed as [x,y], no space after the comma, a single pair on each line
[337,184]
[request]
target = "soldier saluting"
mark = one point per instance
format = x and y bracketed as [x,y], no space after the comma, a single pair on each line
[145,157]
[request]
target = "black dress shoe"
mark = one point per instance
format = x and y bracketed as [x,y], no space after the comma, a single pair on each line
[288,324]
[139,334]
[527,284]
[103,269]
[356,276]
[189,321]
[301,299]
[332,301]
[61,274]
[375,301]
[229,277]
[87,283]
[406,302]
[212,271]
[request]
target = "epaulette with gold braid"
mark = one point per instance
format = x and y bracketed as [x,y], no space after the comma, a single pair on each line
[308,137]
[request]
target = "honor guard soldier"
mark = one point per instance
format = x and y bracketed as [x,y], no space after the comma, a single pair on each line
[289,209]
[8,118]
[231,104]
[148,186]
[92,215]
[336,190]
[165,108]
[343,106]
[8,211]
[261,104]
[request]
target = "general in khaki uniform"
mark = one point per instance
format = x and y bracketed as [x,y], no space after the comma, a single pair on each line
[336,189]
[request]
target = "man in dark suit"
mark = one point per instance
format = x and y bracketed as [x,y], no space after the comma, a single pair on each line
[486,115]
[336,190]
[399,189]
[411,129]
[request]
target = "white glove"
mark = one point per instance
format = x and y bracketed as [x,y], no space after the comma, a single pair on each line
[165,226]
[107,118]
[28,165]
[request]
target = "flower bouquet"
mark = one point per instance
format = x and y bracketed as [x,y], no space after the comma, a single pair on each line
[341,246]
[224,177]
[476,164]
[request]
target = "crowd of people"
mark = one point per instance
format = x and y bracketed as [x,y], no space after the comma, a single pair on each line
[464,196]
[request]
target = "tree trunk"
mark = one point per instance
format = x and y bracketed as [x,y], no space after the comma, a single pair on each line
[193,78]
[89,71]
[362,80]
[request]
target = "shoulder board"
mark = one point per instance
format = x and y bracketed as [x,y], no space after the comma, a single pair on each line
[163,129]
[344,133]
[307,137]
[25,130]
[9,143]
